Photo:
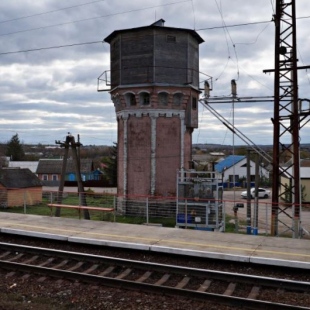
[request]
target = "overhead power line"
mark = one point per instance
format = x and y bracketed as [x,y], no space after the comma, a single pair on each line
[244,24]
[48,12]
[85,43]
[235,25]
[50,47]
[92,18]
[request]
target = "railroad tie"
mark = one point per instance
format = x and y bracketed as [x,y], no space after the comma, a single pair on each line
[254,292]
[183,282]
[47,262]
[31,260]
[60,265]
[18,256]
[10,274]
[124,274]
[144,277]
[163,279]
[91,269]
[76,266]
[230,289]
[5,254]
[26,276]
[204,287]
[107,271]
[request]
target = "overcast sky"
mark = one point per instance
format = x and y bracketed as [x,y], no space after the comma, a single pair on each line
[46,93]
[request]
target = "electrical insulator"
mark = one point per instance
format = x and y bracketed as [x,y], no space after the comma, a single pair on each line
[233,88]
[207,89]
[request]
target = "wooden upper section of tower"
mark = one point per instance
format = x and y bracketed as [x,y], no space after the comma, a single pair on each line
[156,55]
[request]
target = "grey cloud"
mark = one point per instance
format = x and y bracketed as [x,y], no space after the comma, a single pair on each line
[46,93]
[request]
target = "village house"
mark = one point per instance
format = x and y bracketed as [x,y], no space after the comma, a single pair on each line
[234,169]
[19,187]
[49,171]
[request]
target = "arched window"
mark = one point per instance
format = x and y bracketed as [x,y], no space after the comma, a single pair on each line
[130,99]
[116,100]
[163,99]
[144,98]
[177,99]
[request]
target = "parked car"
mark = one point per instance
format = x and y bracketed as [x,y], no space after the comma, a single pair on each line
[262,193]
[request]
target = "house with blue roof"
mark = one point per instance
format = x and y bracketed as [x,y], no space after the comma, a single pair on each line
[234,168]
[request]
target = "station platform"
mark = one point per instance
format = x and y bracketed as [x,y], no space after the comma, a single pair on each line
[216,245]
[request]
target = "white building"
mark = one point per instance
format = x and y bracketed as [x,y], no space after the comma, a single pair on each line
[234,168]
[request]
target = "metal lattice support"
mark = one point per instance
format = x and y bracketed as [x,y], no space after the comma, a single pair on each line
[290,115]
[286,120]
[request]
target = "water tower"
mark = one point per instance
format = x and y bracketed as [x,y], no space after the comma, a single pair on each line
[154,82]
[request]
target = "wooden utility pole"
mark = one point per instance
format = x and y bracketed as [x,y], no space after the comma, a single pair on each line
[70,142]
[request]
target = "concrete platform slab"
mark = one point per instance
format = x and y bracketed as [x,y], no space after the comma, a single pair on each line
[216,245]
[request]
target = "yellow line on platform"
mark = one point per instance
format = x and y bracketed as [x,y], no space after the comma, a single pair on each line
[156,240]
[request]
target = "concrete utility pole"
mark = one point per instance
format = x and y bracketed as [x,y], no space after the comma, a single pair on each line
[248,201]
[70,142]
[257,180]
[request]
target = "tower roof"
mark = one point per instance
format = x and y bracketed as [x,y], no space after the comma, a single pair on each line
[156,25]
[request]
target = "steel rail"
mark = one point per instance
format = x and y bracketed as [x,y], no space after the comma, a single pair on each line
[151,288]
[165,268]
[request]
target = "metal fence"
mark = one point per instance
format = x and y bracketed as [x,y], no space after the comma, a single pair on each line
[261,218]
[156,210]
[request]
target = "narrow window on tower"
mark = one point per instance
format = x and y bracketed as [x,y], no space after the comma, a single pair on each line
[194,103]
[133,100]
[116,100]
[130,99]
[177,99]
[144,98]
[163,99]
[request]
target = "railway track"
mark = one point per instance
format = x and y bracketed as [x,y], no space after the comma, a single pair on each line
[226,288]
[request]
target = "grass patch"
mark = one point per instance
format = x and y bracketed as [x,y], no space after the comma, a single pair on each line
[229,227]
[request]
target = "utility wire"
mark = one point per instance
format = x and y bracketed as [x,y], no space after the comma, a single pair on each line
[194,16]
[244,24]
[236,25]
[50,47]
[253,42]
[223,27]
[48,12]
[226,31]
[92,18]
[272,6]
[85,43]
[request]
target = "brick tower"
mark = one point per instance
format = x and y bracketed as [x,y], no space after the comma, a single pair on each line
[155,91]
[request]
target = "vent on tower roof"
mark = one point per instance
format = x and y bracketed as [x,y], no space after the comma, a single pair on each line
[159,23]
